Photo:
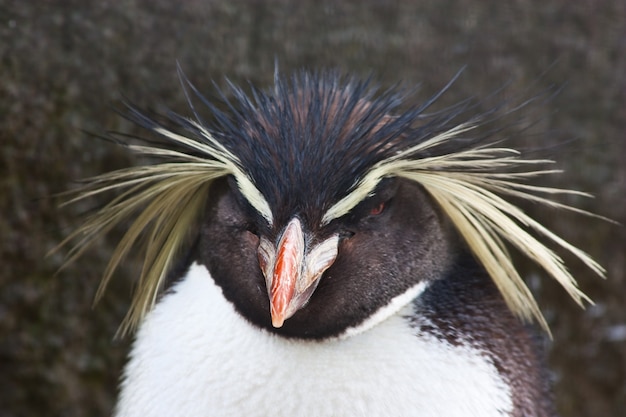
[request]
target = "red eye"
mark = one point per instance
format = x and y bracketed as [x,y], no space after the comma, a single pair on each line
[375,211]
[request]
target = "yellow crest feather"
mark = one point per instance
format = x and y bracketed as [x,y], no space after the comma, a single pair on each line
[166,200]
[466,185]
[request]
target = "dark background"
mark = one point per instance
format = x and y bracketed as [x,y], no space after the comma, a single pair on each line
[65,64]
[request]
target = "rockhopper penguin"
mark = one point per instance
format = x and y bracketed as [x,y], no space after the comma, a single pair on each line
[323,249]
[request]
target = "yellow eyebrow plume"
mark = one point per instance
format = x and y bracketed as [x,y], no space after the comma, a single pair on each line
[468,185]
[166,200]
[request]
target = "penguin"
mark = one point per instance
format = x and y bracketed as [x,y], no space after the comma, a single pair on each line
[325,248]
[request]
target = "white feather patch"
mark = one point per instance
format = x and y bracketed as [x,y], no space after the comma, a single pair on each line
[396,304]
[196,356]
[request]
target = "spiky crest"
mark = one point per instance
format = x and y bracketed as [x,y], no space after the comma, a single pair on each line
[317,146]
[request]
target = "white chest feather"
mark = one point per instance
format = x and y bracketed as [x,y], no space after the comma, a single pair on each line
[195,356]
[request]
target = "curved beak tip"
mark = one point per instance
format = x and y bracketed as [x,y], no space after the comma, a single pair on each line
[277,321]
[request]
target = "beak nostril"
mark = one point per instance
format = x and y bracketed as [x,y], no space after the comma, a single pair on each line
[266,255]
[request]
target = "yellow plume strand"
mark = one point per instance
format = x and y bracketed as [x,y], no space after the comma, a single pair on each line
[365,186]
[468,186]
[166,200]
[218,151]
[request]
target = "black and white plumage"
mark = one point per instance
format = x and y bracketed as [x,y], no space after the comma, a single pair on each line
[328,252]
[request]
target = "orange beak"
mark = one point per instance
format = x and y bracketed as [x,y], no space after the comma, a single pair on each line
[291,272]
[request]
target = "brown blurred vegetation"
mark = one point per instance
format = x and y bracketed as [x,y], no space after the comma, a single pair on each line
[65,64]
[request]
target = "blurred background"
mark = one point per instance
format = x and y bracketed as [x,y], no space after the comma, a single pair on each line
[65,65]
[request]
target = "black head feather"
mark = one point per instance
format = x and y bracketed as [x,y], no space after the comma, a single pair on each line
[308,140]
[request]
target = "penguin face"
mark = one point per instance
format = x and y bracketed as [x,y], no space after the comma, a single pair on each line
[384,247]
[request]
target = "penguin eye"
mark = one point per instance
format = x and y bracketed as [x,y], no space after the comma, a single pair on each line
[378,209]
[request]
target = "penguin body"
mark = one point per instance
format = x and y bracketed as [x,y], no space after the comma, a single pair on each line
[196,356]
